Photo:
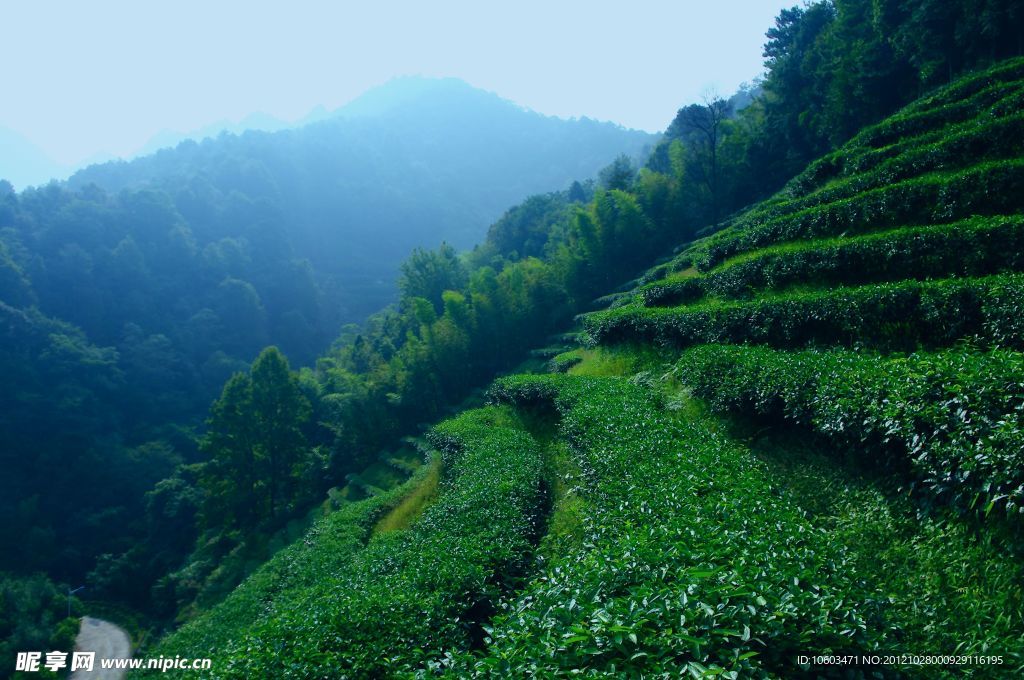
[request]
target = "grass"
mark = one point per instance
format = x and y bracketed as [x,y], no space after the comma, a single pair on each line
[623,359]
[413,505]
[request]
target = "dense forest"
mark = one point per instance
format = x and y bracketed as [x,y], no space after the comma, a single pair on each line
[805,292]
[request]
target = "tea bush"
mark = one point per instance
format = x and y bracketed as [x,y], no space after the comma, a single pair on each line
[364,609]
[894,316]
[991,188]
[690,559]
[955,419]
[971,247]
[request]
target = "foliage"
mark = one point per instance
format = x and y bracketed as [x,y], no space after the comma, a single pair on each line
[618,175]
[695,556]
[526,229]
[951,132]
[954,418]
[836,65]
[926,150]
[968,248]
[674,547]
[259,461]
[33,617]
[428,274]
[987,189]
[893,316]
[410,594]
[130,294]
[945,585]
[328,547]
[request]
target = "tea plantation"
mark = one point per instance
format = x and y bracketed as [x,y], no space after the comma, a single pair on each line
[868,319]
[803,435]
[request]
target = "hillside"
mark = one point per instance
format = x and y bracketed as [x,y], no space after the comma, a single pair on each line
[800,435]
[130,294]
[409,164]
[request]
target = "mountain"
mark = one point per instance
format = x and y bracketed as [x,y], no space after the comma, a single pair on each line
[23,164]
[411,164]
[257,122]
[132,292]
[168,138]
[751,408]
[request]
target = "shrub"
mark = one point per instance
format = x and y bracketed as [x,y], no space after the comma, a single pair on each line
[893,316]
[992,188]
[409,595]
[327,547]
[955,419]
[672,574]
[972,247]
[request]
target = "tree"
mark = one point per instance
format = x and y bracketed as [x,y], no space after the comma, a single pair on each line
[525,230]
[256,444]
[576,193]
[797,85]
[429,273]
[619,174]
[699,126]
[229,479]
[279,410]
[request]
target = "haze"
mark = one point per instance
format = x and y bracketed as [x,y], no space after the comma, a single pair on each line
[104,77]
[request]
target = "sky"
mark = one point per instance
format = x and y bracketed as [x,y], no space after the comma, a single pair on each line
[104,76]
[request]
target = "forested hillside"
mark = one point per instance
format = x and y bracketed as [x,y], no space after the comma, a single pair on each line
[800,434]
[130,294]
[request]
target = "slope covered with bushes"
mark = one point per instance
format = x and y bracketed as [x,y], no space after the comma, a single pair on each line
[873,248]
[869,313]
[389,601]
[800,435]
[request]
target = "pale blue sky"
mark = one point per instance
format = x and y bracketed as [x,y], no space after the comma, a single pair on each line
[105,75]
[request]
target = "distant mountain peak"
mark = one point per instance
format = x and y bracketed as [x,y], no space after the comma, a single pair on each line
[24,164]
[402,91]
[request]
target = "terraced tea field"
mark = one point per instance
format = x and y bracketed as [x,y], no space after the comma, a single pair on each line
[804,435]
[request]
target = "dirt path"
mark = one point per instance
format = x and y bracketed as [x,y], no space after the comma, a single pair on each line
[108,641]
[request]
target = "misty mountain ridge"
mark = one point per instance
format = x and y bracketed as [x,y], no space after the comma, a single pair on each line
[412,163]
[258,121]
[169,273]
[25,164]
[384,99]
[378,100]
[333,206]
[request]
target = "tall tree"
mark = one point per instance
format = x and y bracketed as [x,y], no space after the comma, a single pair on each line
[232,495]
[256,444]
[700,127]
[428,274]
[619,174]
[280,411]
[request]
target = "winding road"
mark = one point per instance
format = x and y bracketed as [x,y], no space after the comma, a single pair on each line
[108,641]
